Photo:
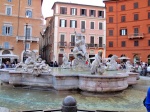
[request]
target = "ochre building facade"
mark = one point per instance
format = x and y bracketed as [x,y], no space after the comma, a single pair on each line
[20,23]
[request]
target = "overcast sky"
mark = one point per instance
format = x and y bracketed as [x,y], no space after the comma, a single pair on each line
[47,5]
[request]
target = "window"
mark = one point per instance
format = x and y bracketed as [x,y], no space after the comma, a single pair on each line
[100,26]
[28,32]
[123,18]
[110,19]
[123,44]
[8,10]
[148,15]
[123,32]
[73,11]
[62,40]
[135,5]
[110,44]
[110,9]
[29,2]
[123,7]
[63,23]
[83,12]
[82,24]
[110,32]
[7,30]
[92,41]
[136,31]
[136,17]
[92,13]
[29,13]
[136,43]
[6,45]
[148,42]
[92,25]
[72,40]
[101,14]
[9,0]
[149,29]
[73,24]
[27,45]
[63,10]
[148,2]
[100,42]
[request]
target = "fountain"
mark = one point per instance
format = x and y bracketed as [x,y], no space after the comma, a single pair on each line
[92,78]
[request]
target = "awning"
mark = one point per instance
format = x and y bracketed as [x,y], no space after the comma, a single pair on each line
[9,56]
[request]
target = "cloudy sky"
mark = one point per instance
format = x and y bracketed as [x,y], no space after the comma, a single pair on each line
[47,5]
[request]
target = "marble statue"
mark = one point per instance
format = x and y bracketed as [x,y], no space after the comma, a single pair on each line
[80,53]
[112,64]
[33,65]
[97,66]
[129,66]
[65,64]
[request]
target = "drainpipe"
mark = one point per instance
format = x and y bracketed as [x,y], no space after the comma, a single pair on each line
[117,20]
[18,17]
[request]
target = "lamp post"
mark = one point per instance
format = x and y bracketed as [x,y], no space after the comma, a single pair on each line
[25,42]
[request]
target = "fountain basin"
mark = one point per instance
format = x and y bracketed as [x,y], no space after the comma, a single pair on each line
[107,82]
[104,83]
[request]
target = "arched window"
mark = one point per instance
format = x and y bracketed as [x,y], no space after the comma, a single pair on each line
[6,52]
[29,13]
[148,56]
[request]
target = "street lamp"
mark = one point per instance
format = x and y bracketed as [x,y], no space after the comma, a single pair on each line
[25,42]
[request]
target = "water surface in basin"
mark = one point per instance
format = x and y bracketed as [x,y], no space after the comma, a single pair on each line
[26,99]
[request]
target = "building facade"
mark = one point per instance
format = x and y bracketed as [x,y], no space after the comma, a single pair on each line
[20,22]
[69,18]
[128,29]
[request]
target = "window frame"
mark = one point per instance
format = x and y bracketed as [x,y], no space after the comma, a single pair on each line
[61,23]
[29,13]
[110,8]
[6,45]
[136,43]
[111,32]
[111,19]
[82,24]
[123,43]
[4,30]
[85,12]
[100,14]
[136,17]
[92,23]
[123,32]
[90,13]
[148,29]
[110,43]
[29,2]
[28,45]
[28,27]
[100,26]
[123,18]
[72,12]
[136,5]
[63,10]
[71,24]
[123,7]
[9,0]
[148,15]
[6,12]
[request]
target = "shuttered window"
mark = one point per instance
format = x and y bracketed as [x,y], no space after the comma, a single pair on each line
[63,23]
[110,32]
[123,7]
[100,41]
[136,43]
[101,14]
[110,19]
[136,17]
[82,24]
[100,26]
[136,5]
[63,10]
[110,44]
[7,30]
[92,13]
[8,10]
[123,44]
[123,18]
[73,24]
[92,25]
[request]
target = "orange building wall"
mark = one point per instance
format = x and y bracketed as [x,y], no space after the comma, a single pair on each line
[143,50]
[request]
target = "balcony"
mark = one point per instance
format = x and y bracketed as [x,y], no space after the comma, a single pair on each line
[62,44]
[31,39]
[136,35]
[6,48]
[92,46]
[72,44]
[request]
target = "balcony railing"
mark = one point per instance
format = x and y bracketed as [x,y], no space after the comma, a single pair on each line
[6,48]
[62,44]
[31,39]
[136,35]
[72,44]
[92,45]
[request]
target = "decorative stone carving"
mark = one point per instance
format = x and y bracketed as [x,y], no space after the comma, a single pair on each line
[65,64]
[33,65]
[80,54]
[112,65]
[97,67]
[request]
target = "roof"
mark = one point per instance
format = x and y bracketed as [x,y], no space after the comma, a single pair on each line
[75,4]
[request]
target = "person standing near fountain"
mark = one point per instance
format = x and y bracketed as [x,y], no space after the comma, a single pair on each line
[147,100]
